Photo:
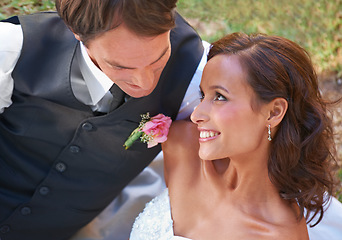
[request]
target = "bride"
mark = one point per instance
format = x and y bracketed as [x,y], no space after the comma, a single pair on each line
[257,153]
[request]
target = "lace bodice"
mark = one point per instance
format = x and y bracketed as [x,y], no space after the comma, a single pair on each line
[155,222]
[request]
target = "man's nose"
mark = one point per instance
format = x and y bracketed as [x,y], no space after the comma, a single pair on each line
[144,78]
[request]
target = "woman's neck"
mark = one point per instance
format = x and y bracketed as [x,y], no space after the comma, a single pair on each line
[241,180]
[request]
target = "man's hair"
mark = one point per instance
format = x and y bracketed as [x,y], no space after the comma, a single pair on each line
[302,150]
[90,18]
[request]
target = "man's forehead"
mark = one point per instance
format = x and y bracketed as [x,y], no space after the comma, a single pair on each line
[128,62]
[128,49]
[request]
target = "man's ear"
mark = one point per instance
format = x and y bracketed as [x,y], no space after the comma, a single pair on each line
[77,36]
[277,109]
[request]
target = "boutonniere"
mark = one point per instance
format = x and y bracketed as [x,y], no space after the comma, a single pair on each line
[151,130]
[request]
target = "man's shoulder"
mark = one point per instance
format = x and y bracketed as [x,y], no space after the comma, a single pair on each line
[183,25]
[40,18]
[47,25]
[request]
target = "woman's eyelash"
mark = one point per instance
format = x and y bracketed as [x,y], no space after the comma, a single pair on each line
[219,97]
[201,95]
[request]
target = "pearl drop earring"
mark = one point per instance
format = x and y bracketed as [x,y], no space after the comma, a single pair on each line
[269,133]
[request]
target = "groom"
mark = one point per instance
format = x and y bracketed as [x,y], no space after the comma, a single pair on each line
[72,89]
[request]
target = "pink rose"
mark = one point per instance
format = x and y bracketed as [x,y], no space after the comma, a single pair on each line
[150,130]
[157,128]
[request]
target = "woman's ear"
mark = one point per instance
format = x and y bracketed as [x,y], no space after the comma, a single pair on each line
[277,109]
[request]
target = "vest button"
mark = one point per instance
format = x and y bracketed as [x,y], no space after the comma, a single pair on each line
[87,126]
[60,167]
[74,149]
[25,211]
[5,229]
[44,190]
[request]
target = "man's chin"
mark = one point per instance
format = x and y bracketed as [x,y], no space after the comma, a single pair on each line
[138,94]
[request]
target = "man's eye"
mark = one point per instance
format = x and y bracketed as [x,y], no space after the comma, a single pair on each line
[118,68]
[219,97]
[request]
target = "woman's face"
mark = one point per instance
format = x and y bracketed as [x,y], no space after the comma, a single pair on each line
[228,126]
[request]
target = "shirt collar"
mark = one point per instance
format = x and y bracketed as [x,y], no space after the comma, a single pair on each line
[97,82]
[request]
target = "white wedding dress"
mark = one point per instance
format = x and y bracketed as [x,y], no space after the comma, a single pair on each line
[155,222]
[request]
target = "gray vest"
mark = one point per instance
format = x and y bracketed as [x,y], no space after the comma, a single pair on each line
[60,165]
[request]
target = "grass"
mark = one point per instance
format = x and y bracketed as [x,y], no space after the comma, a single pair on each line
[9,8]
[314,24]
[339,191]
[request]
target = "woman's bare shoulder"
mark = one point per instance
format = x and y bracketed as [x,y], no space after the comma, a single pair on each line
[181,148]
[183,136]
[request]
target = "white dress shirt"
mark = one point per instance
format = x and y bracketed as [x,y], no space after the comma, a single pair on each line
[9,53]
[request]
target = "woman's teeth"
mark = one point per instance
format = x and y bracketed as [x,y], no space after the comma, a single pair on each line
[207,134]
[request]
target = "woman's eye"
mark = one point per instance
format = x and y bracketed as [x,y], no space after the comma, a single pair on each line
[201,94]
[219,97]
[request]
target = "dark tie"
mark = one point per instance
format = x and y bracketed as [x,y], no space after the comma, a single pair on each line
[118,97]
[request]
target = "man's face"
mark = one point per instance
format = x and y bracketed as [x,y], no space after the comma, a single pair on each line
[132,62]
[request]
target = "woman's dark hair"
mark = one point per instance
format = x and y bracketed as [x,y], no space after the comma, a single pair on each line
[302,151]
[90,18]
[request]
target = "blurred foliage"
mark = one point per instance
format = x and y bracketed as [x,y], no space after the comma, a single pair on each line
[339,191]
[9,8]
[314,24]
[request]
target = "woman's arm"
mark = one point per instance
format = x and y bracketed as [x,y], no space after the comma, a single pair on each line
[180,148]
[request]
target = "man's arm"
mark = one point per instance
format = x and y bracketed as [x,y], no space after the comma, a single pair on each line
[11,40]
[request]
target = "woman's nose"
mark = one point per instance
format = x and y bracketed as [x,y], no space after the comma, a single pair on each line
[200,113]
